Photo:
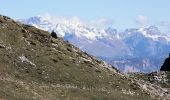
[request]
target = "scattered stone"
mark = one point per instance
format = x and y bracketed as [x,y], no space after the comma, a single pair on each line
[98,71]
[24,31]
[2,46]
[55,60]
[24,59]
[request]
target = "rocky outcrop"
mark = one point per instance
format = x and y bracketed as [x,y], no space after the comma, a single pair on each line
[166,65]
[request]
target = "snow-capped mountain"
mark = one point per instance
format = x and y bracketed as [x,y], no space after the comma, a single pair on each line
[135,49]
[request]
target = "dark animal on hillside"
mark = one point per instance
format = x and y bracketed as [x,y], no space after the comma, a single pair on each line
[54,35]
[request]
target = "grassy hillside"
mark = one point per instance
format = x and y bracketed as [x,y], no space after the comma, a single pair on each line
[35,66]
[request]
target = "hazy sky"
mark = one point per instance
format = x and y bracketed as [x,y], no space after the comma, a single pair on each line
[123,13]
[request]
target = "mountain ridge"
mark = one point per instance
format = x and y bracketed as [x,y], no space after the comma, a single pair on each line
[111,45]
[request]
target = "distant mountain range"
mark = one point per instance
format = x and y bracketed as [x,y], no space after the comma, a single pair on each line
[133,50]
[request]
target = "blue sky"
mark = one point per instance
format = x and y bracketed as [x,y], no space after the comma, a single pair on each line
[123,13]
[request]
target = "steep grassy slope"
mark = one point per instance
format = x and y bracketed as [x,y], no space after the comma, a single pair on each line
[34,65]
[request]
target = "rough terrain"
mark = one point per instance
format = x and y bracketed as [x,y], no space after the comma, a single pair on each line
[36,66]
